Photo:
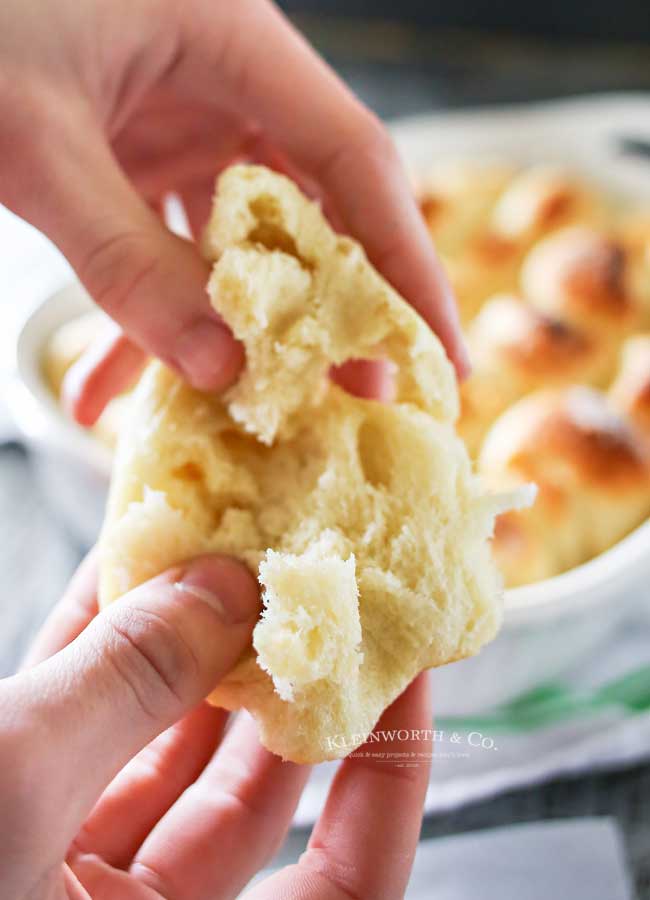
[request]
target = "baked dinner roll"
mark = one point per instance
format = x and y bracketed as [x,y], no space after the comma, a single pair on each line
[457,198]
[484,219]
[67,343]
[633,231]
[514,350]
[64,347]
[489,265]
[592,471]
[541,199]
[364,522]
[579,274]
[630,391]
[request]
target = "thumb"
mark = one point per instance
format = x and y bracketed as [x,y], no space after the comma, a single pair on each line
[137,668]
[147,279]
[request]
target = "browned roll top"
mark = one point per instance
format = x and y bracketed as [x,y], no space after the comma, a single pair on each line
[580,274]
[593,446]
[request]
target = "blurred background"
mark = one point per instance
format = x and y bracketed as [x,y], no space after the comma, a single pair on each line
[401,59]
[579,19]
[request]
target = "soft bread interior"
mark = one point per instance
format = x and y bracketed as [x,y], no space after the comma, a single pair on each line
[364,522]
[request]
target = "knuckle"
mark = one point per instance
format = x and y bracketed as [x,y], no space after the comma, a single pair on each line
[153,660]
[116,266]
[154,878]
[333,879]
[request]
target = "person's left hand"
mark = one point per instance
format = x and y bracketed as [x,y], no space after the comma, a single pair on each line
[104,797]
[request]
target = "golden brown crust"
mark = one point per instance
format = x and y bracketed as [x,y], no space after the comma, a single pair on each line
[516,349]
[630,391]
[560,203]
[577,426]
[594,279]
[432,207]
[548,348]
[580,274]
[602,450]
[542,199]
[592,469]
[490,249]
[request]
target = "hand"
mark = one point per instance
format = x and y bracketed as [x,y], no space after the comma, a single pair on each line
[105,108]
[88,813]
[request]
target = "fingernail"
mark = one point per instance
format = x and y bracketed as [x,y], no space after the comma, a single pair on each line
[208,355]
[225,585]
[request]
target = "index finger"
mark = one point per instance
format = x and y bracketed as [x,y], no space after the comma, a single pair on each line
[306,110]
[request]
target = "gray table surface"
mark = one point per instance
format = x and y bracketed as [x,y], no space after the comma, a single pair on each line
[397,71]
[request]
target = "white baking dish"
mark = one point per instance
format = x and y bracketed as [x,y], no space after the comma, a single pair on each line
[72,466]
[549,625]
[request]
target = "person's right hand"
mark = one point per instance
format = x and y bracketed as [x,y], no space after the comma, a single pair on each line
[105,108]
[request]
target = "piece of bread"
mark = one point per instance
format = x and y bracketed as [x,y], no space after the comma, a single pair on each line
[514,350]
[630,390]
[302,298]
[592,471]
[364,521]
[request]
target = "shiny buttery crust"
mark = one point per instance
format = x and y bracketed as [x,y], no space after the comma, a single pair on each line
[592,471]
[515,349]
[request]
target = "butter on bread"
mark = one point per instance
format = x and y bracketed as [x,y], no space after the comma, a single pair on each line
[592,471]
[364,521]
